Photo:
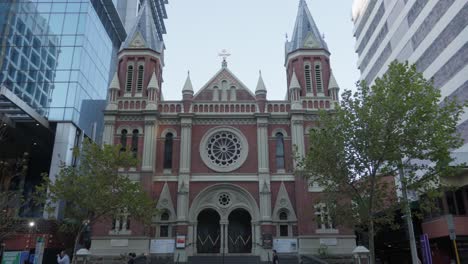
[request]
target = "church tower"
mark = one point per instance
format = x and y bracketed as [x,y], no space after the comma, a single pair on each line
[308,61]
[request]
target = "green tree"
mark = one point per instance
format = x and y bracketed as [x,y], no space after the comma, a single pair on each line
[96,189]
[398,123]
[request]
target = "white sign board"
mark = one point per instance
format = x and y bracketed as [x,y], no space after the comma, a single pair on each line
[284,245]
[162,246]
[329,241]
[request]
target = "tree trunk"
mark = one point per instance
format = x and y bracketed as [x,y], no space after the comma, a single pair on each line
[371,242]
[77,240]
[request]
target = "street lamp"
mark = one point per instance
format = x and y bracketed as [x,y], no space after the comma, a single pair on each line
[31,224]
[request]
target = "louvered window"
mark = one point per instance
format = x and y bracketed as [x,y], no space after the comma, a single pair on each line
[308,78]
[318,78]
[128,87]
[140,78]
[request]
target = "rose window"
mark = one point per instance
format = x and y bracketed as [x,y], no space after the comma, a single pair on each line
[224,199]
[224,149]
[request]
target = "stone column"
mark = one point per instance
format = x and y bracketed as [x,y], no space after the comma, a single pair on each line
[184,167]
[149,149]
[297,135]
[109,130]
[263,168]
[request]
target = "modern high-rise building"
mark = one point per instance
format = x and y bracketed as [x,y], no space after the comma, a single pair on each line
[56,62]
[433,34]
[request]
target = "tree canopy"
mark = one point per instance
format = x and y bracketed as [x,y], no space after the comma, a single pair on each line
[398,123]
[97,188]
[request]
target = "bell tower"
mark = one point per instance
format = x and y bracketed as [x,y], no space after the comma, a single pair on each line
[307,59]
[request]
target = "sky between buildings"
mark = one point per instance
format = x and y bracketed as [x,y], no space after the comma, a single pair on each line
[254,32]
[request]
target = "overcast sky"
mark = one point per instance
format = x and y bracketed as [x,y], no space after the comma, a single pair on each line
[254,32]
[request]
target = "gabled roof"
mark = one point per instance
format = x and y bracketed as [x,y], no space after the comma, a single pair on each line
[225,74]
[144,33]
[305,34]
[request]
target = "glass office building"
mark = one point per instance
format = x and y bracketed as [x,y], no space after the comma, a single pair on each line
[56,54]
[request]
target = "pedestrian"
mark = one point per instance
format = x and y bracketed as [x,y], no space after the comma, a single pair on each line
[275,257]
[63,258]
[131,258]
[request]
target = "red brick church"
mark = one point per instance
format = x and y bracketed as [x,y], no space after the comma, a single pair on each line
[219,161]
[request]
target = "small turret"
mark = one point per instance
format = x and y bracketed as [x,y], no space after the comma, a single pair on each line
[153,91]
[261,93]
[333,88]
[113,93]
[187,91]
[295,92]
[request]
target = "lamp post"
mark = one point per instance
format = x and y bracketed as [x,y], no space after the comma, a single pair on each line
[361,255]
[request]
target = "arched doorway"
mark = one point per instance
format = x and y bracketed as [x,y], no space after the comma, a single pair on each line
[208,232]
[240,232]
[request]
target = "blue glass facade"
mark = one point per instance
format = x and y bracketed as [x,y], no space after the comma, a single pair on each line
[56,55]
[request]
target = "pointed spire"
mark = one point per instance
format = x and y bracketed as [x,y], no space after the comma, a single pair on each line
[333,84]
[115,84]
[153,84]
[294,84]
[306,33]
[260,85]
[188,88]
[144,33]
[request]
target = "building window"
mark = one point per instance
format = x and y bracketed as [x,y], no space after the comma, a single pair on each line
[215,93]
[135,142]
[168,151]
[283,226]
[455,202]
[129,78]
[164,227]
[279,151]
[308,78]
[121,223]
[233,93]
[284,230]
[323,218]
[318,78]
[140,78]
[123,139]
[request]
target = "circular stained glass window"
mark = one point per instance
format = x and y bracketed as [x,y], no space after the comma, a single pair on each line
[223,149]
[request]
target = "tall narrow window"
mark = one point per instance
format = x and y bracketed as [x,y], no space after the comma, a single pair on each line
[279,151]
[141,73]
[128,87]
[308,78]
[168,151]
[123,140]
[164,227]
[135,142]
[318,78]
[215,93]
[284,227]
[323,218]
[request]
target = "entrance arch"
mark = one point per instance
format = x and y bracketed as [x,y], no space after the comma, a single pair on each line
[240,232]
[208,232]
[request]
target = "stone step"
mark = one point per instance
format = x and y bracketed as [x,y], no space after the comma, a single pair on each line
[227,260]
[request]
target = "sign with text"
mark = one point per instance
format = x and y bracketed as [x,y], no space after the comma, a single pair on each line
[162,246]
[180,242]
[15,257]
[283,245]
[267,241]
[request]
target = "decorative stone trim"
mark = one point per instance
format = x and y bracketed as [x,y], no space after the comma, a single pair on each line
[217,121]
[279,121]
[282,131]
[171,121]
[168,130]
[130,118]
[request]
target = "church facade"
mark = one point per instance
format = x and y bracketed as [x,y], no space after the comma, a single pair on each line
[220,161]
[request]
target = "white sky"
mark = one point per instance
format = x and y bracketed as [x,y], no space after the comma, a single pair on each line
[253,31]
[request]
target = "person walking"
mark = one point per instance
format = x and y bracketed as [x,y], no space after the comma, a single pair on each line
[275,257]
[63,258]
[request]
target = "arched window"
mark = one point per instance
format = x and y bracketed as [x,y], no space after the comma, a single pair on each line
[123,139]
[165,216]
[135,142]
[318,78]
[128,87]
[279,151]
[233,93]
[308,78]
[283,216]
[168,151]
[215,93]
[141,73]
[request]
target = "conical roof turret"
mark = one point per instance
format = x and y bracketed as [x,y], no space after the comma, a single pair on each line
[260,85]
[294,83]
[144,33]
[333,84]
[115,84]
[188,87]
[153,84]
[306,33]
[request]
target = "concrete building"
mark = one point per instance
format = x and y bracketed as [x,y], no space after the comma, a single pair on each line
[433,34]
[220,160]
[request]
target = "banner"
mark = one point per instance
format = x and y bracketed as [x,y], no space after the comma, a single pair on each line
[39,253]
[285,245]
[180,242]
[162,246]
[15,257]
